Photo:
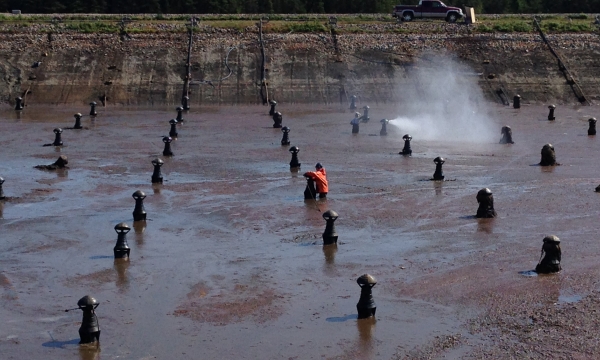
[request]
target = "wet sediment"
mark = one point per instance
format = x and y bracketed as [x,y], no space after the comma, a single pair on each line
[230,262]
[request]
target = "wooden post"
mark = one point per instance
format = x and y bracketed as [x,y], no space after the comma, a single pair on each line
[188,72]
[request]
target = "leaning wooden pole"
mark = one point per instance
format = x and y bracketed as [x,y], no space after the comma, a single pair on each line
[577,90]
[264,91]
[188,72]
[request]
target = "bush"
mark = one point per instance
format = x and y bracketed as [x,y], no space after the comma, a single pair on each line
[484,28]
[551,26]
[92,27]
[307,27]
[575,28]
[506,27]
[522,27]
[578,16]
[513,26]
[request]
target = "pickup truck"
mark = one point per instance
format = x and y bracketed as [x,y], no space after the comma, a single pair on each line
[428,9]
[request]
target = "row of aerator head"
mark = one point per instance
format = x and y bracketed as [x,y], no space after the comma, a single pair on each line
[173,134]
[62,160]
[366,305]
[552,117]
[20,104]
[89,331]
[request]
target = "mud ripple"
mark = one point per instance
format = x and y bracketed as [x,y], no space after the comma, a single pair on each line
[227,306]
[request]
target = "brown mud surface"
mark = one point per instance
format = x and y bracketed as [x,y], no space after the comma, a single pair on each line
[229,264]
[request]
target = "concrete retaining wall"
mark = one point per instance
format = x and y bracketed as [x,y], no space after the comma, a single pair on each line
[301,68]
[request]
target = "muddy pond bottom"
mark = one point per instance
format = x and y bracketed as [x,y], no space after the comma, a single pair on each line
[230,263]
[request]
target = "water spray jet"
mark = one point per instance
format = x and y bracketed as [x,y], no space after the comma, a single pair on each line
[453,110]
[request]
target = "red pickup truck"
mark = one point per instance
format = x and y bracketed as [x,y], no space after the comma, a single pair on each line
[428,9]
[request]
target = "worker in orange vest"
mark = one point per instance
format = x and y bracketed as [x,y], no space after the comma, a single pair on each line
[320,178]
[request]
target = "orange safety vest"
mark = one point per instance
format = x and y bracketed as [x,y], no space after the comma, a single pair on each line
[320,178]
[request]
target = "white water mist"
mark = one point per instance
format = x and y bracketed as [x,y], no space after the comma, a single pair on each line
[447,104]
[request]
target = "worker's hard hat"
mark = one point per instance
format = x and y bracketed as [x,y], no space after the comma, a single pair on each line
[318,166]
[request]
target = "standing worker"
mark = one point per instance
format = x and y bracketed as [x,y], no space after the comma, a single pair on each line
[355,123]
[320,178]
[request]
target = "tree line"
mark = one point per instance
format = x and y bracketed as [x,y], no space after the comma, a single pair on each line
[286,6]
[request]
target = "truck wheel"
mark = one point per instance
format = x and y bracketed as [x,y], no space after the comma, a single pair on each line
[408,16]
[452,17]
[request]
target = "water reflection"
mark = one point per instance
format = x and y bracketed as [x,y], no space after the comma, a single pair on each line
[139,227]
[121,265]
[89,352]
[547,169]
[1,209]
[365,329]
[311,204]
[156,188]
[329,252]
[437,185]
[62,173]
[552,284]
[485,225]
